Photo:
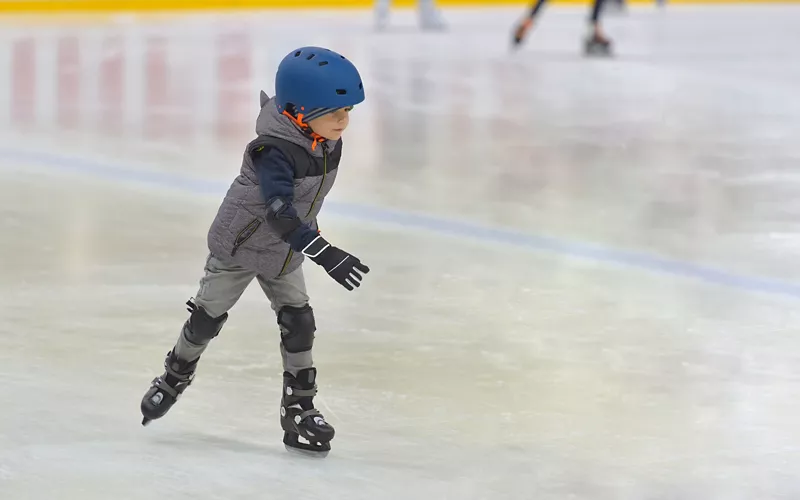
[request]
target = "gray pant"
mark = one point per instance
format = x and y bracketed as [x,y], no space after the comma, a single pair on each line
[223,285]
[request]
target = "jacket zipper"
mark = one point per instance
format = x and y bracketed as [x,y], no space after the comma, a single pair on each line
[310,209]
[245,234]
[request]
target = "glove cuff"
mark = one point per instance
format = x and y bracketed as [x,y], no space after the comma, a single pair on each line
[316,247]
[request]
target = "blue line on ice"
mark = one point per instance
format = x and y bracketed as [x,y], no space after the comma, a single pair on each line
[411,220]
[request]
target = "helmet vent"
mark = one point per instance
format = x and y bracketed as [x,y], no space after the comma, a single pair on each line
[297,54]
[323,63]
[341,92]
[310,57]
[360,86]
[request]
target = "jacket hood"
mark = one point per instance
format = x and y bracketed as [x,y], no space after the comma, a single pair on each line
[272,123]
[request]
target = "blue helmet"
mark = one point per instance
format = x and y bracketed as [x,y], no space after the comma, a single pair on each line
[316,81]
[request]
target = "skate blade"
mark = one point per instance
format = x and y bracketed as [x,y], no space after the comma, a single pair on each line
[434,28]
[297,444]
[599,54]
[306,453]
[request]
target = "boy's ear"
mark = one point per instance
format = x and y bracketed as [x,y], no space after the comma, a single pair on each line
[264,98]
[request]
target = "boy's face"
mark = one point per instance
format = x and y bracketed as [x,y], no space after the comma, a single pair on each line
[332,125]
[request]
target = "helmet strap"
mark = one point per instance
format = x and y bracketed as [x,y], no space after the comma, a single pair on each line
[306,128]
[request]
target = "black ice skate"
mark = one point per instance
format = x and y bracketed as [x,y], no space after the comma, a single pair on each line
[305,429]
[597,46]
[166,389]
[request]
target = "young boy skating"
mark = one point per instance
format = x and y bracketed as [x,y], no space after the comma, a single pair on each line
[265,227]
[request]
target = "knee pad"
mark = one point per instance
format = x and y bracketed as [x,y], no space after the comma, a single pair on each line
[200,328]
[297,328]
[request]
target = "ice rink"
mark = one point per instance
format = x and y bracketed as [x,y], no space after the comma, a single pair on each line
[585,273]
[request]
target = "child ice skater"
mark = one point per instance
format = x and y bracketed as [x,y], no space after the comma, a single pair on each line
[265,228]
[596,42]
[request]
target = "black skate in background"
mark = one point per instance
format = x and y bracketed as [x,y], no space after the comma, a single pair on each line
[597,46]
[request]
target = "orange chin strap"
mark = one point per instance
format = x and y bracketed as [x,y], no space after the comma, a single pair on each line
[298,120]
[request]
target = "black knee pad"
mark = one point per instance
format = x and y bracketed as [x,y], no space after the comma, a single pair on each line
[298,328]
[201,327]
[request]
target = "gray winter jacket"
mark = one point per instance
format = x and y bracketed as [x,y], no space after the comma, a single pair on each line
[240,233]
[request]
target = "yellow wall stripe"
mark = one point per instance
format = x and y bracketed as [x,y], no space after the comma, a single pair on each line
[50,6]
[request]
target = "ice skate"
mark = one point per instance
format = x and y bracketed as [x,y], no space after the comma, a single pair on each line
[432,21]
[433,25]
[305,429]
[167,389]
[597,45]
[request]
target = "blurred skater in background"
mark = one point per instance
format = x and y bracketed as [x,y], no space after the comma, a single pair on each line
[595,43]
[430,19]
